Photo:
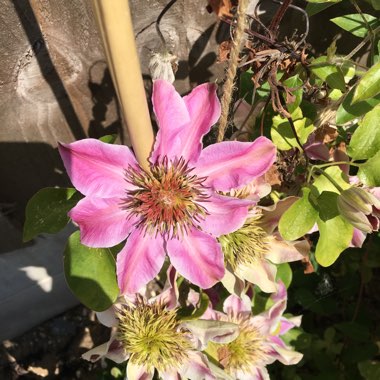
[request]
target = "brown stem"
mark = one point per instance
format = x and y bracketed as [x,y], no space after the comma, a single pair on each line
[273,26]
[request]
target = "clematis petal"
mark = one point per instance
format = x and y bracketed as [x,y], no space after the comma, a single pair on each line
[198,257]
[281,251]
[286,356]
[196,368]
[232,282]
[96,168]
[225,214]
[170,375]
[358,238]
[208,330]
[139,372]
[231,164]
[204,109]
[254,373]
[234,305]
[261,273]
[112,350]
[107,317]
[272,214]
[172,115]
[139,261]
[288,323]
[102,222]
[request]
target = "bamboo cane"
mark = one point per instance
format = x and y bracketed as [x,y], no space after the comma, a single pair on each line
[115,24]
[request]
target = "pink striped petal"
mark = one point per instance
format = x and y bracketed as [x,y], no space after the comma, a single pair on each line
[96,168]
[139,371]
[231,164]
[139,261]
[235,305]
[172,115]
[261,273]
[282,251]
[102,222]
[226,214]
[204,109]
[197,257]
[286,356]
[197,367]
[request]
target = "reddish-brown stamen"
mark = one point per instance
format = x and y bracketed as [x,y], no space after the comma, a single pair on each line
[166,199]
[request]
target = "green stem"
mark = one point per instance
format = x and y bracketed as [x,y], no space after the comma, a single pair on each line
[371,33]
[330,179]
[336,163]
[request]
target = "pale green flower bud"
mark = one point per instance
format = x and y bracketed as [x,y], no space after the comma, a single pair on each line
[354,204]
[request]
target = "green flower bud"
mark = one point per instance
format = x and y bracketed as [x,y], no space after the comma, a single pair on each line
[354,204]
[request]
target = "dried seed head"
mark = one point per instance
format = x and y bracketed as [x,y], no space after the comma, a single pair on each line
[152,336]
[166,199]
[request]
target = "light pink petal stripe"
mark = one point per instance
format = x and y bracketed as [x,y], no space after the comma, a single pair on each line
[172,115]
[102,222]
[204,109]
[139,371]
[231,164]
[261,273]
[139,261]
[197,257]
[226,214]
[197,367]
[234,305]
[96,168]
[281,251]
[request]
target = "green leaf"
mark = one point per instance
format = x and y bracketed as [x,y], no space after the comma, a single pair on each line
[328,72]
[314,8]
[348,111]
[335,236]
[369,172]
[294,84]
[299,218]
[370,369]
[189,314]
[90,274]
[109,139]
[46,211]
[369,84]
[376,4]
[323,184]
[365,141]
[246,86]
[282,133]
[355,24]
[285,274]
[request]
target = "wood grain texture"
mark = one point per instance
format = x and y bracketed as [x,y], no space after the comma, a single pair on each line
[55,85]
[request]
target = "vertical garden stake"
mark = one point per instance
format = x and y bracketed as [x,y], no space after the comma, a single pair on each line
[115,24]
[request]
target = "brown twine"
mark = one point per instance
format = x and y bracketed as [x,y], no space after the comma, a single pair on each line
[228,87]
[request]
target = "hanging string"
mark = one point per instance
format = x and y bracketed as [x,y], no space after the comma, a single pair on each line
[229,87]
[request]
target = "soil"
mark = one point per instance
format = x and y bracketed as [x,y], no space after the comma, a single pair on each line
[53,349]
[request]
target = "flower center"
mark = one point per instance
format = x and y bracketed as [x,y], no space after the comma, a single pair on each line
[166,199]
[152,336]
[247,244]
[245,351]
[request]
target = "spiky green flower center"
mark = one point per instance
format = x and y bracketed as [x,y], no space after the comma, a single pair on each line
[246,245]
[245,351]
[166,199]
[152,336]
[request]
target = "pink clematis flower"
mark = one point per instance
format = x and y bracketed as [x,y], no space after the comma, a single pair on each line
[259,341]
[175,208]
[252,252]
[148,333]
